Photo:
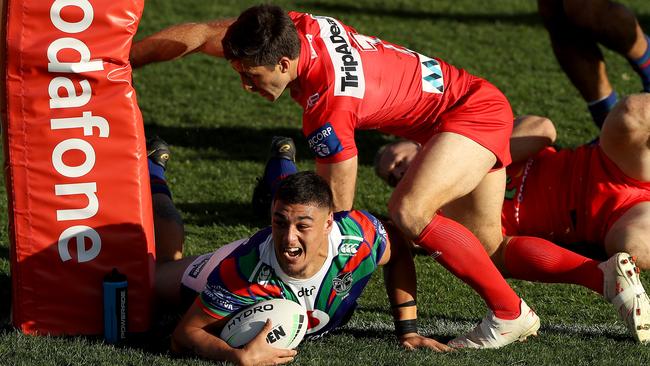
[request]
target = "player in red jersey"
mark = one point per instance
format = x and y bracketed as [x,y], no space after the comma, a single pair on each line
[596,195]
[347,81]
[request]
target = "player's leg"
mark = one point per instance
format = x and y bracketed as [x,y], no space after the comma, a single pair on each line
[449,167]
[167,285]
[579,56]
[530,135]
[168,224]
[281,163]
[630,234]
[614,26]
[623,287]
[625,138]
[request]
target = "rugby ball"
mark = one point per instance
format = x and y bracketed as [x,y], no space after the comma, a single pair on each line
[289,324]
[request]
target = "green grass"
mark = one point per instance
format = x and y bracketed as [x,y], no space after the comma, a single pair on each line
[220,136]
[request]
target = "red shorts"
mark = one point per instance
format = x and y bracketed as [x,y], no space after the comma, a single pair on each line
[483,115]
[570,196]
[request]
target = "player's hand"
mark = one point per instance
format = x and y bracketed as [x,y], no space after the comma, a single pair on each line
[412,341]
[258,352]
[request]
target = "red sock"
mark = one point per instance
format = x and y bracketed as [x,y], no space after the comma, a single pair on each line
[535,259]
[460,252]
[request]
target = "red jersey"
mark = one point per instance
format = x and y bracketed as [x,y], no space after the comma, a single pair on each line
[570,196]
[351,81]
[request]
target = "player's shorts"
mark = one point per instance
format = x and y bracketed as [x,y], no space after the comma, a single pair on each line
[483,115]
[570,196]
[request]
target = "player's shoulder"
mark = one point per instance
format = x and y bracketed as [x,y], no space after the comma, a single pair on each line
[357,220]
[247,255]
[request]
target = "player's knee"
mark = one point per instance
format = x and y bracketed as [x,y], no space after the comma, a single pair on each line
[409,217]
[629,121]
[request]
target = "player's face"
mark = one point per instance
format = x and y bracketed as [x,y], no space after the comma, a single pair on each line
[268,81]
[301,237]
[395,160]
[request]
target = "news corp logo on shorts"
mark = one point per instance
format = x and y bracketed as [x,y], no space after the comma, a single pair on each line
[324,141]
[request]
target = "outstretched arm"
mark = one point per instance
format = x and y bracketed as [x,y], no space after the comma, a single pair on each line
[180,40]
[530,135]
[401,287]
[195,334]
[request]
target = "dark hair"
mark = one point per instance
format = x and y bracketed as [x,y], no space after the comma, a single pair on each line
[305,188]
[262,35]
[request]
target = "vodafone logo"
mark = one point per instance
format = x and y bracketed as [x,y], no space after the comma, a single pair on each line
[317,320]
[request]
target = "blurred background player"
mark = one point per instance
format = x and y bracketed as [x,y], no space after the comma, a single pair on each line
[576,28]
[337,76]
[597,195]
[309,255]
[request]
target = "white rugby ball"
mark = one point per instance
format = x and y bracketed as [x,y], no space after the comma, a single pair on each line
[289,324]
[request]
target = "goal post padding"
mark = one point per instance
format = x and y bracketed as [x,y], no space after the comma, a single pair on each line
[75,164]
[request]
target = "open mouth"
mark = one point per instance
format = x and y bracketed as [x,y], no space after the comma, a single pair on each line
[293,252]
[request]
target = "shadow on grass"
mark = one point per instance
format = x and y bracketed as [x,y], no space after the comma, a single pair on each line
[219,213]
[240,143]
[5,300]
[401,12]
[529,18]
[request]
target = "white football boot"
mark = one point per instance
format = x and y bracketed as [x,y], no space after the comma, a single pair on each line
[623,289]
[494,332]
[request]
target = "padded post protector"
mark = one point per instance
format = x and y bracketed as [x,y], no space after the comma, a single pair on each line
[75,164]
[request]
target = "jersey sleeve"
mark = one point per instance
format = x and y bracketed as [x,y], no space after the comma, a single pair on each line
[220,298]
[330,134]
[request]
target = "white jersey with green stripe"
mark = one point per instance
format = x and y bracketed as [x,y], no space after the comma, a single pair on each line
[247,272]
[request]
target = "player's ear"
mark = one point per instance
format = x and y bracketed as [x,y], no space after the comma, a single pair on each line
[329,223]
[285,64]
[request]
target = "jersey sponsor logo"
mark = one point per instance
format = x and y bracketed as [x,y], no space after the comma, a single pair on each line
[324,141]
[349,249]
[342,283]
[432,81]
[317,320]
[306,291]
[218,297]
[198,267]
[350,245]
[247,313]
[349,79]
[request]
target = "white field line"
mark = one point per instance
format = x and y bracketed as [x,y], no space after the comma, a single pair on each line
[455,327]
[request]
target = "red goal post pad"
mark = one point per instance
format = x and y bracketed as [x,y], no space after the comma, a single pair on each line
[75,164]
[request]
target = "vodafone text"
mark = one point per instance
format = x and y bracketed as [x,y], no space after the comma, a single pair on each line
[62,91]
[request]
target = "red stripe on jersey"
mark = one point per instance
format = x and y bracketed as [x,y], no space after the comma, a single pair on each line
[231,277]
[362,252]
[369,230]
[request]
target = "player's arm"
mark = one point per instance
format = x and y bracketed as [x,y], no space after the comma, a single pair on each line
[342,178]
[530,135]
[180,40]
[401,288]
[196,334]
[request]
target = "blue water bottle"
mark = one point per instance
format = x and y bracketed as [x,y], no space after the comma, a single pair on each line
[115,307]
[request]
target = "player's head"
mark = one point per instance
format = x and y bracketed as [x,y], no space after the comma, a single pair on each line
[302,219]
[392,160]
[263,46]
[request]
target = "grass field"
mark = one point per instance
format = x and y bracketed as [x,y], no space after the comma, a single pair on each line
[220,137]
